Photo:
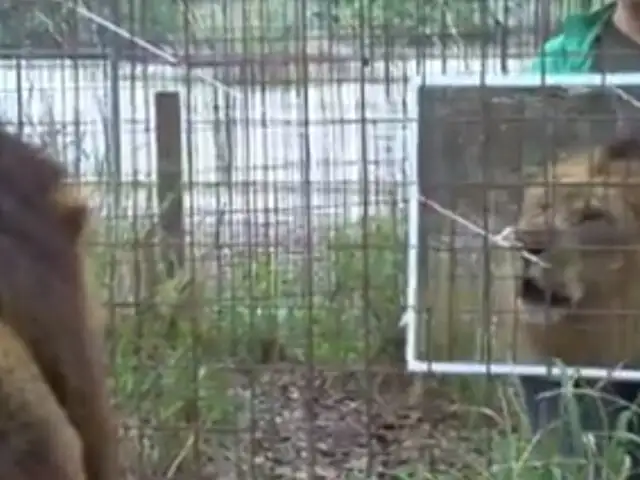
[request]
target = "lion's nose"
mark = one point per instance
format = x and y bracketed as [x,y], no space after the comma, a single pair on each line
[533,241]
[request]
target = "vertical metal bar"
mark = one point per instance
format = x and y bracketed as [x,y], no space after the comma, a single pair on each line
[112,170]
[195,415]
[20,87]
[443,36]
[307,194]
[77,129]
[504,36]
[543,10]
[364,225]
[486,170]
[114,143]
[248,196]
[431,176]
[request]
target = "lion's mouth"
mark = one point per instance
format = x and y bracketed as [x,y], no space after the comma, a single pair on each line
[535,295]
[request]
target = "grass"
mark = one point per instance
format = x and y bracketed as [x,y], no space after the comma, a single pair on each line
[178,343]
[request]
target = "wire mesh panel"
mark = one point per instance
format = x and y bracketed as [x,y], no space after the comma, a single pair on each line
[481,147]
[249,165]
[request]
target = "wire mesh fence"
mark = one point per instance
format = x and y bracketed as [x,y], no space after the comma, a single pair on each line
[248,163]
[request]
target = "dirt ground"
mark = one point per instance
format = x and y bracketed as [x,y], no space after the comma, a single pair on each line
[349,425]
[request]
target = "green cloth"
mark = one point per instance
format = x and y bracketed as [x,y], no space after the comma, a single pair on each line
[571,51]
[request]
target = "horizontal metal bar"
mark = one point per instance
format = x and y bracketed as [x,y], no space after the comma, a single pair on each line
[521,80]
[528,370]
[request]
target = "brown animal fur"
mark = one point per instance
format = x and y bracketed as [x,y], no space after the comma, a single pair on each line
[43,299]
[37,441]
[586,225]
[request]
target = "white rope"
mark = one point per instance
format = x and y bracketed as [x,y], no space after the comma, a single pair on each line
[500,239]
[83,12]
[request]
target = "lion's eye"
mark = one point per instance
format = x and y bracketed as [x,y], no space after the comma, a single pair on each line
[593,215]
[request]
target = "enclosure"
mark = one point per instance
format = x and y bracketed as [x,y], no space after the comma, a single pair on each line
[251,165]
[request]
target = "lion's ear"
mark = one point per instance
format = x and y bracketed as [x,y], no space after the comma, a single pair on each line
[73,212]
[619,156]
[625,147]
[74,220]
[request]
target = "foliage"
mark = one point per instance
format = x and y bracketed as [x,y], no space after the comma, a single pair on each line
[55,23]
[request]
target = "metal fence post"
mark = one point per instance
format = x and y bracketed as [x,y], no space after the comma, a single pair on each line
[169,175]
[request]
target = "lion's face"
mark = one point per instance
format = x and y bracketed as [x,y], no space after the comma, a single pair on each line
[581,221]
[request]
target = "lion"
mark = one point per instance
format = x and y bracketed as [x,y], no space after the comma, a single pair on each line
[37,440]
[581,303]
[47,306]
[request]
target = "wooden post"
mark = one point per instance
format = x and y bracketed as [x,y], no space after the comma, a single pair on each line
[169,175]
